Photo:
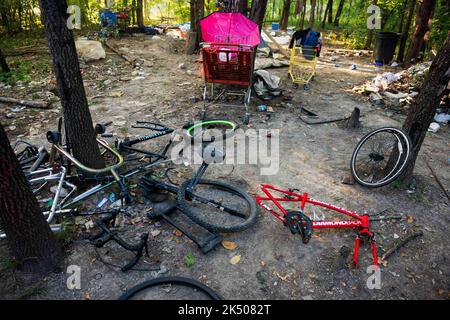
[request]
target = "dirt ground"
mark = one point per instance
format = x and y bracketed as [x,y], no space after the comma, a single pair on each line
[313,158]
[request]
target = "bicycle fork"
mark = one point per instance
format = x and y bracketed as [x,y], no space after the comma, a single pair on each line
[365,233]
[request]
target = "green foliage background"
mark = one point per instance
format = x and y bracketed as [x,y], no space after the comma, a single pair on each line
[19,16]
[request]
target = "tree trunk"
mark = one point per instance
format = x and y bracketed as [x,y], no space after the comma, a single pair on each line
[327,12]
[28,235]
[243,7]
[133,12]
[298,7]
[339,12]
[422,27]
[285,16]
[3,63]
[330,12]
[197,12]
[402,16]
[422,111]
[302,20]
[312,13]
[140,14]
[368,44]
[405,33]
[78,121]
[319,15]
[258,12]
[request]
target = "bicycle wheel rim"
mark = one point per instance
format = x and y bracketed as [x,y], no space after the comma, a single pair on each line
[404,147]
[228,222]
[170,280]
[230,131]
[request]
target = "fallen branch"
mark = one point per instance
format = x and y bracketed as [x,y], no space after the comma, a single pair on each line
[26,52]
[437,179]
[401,242]
[280,48]
[26,103]
[120,54]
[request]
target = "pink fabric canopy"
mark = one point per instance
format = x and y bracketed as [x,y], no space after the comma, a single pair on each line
[227,27]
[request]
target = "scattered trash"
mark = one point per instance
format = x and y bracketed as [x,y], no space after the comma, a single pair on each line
[62,192]
[376,99]
[17,108]
[116,205]
[395,64]
[102,203]
[90,50]
[434,127]
[353,67]
[262,108]
[89,224]
[155,233]
[115,94]
[112,197]
[442,117]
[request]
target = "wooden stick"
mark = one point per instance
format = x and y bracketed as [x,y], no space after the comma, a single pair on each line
[23,53]
[280,48]
[437,179]
[401,242]
[26,103]
[123,56]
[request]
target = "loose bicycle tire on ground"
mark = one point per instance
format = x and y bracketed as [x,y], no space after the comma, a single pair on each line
[170,280]
[400,166]
[193,214]
[212,122]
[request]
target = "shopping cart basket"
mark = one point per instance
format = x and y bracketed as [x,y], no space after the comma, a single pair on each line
[229,47]
[302,66]
[229,64]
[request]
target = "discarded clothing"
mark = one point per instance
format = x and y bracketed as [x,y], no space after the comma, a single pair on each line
[267,85]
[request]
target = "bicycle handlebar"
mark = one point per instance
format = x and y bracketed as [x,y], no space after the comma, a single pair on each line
[92,170]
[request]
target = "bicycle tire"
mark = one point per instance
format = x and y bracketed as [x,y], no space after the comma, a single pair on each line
[249,220]
[170,280]
[212,122]
[399,167]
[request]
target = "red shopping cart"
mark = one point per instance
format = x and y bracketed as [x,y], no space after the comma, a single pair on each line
[228,54]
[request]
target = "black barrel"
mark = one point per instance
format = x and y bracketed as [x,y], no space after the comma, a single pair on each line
[385,46]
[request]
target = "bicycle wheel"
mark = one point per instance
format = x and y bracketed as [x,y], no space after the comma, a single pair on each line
[161,291]
[217,206]
[210,130]
[381,157]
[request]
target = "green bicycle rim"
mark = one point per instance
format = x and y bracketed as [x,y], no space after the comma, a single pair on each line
[232,125]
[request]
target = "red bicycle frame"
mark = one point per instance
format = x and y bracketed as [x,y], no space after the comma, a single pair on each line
[360,222]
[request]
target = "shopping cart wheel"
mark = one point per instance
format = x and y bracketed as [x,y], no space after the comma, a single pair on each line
[295,86]
[306,86]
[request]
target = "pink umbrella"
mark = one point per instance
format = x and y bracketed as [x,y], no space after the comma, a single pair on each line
[230,27]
